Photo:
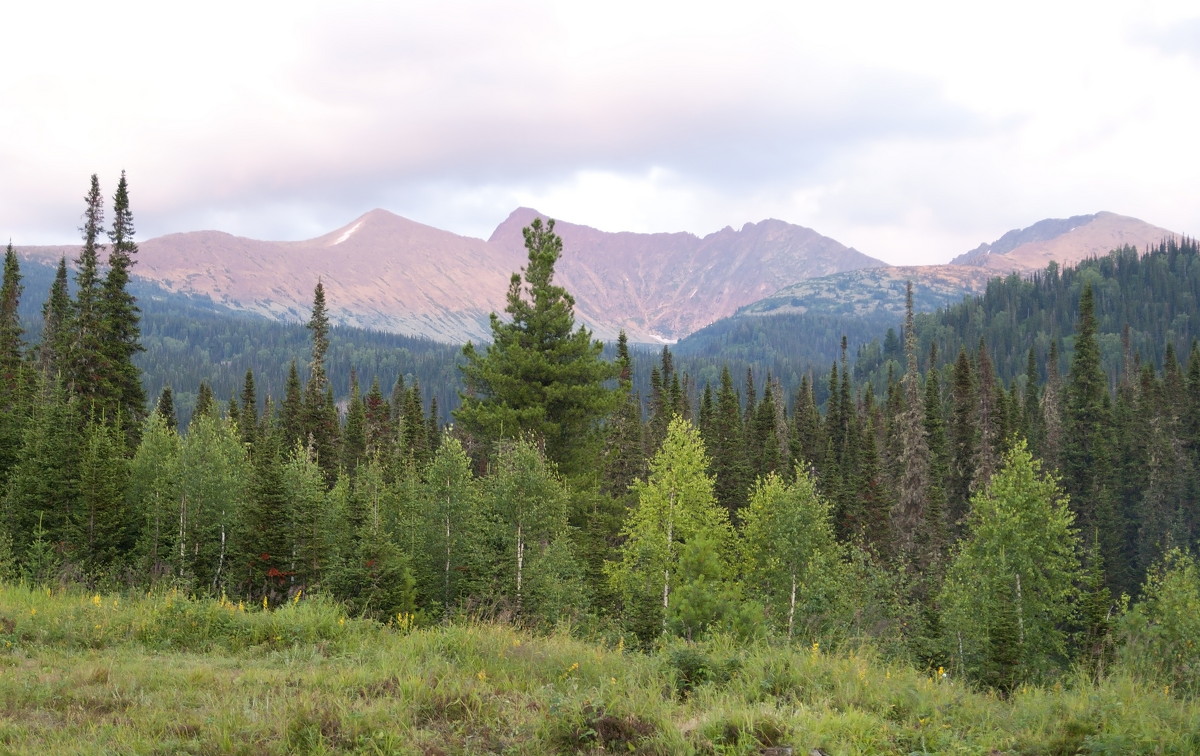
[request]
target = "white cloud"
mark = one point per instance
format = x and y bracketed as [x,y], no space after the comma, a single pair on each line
[910,131]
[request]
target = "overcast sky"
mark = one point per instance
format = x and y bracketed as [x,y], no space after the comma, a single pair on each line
[912,131]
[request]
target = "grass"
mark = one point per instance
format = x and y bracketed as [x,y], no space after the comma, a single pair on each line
[166,674]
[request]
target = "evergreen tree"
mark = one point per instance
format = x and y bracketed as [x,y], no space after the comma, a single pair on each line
[320,420]
[730,466]
[43,487]
[539,376]
[1084,417]
[165,408]
[807,438]
[206,403]
[291,410]
[12,344]
[378,416]
[624,447]
[126,399]
[55,346]
[263,555]
[102,527]
[15,382]
[964,441]
[354,435]
[248,415]
[87,368]
[908,516]
[990,422]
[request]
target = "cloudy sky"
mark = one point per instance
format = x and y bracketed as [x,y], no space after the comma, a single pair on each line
[912,131]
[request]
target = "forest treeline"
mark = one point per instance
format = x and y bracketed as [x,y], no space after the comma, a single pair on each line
[1004,526]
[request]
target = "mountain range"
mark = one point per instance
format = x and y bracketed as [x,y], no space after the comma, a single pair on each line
[385,272]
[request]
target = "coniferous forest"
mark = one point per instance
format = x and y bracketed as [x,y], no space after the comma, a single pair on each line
[1003,491]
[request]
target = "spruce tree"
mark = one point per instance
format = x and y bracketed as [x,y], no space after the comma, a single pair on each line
[12,344]
[15,381]
[624,447]
[963,437]
[122,321]
[248,414]
[730,465]
[320,421]
[87,367]
[55,345]
[380,433]
[354,435]
[1086,389]
[43,486]
[103,529]
[909,523]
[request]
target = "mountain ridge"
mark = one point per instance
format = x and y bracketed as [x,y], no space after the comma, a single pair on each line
[385,272]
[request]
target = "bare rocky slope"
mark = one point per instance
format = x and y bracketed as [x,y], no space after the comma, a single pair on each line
[1063,240]
[385,272]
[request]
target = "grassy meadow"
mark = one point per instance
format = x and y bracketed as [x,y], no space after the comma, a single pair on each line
[167,674]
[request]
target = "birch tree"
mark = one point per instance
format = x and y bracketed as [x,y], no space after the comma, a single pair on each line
[1008,594]
[788,544]
[675,505]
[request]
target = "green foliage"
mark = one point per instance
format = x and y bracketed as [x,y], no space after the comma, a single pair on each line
[525,510]
[1161,634]
[153,494]
[675,505]
[214,484]
[1008,595]
[450,527]
[792,559]
[540,377]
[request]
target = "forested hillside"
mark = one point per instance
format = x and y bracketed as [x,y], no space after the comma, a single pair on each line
[1008,525]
